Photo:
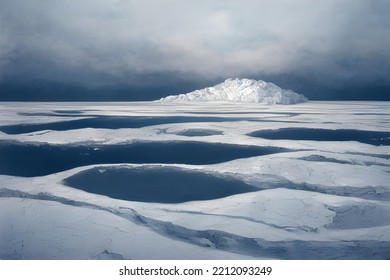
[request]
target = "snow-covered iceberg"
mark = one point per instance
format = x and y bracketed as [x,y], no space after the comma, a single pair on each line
[241,90]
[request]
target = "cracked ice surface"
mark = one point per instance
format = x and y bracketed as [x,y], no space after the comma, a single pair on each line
[315,200]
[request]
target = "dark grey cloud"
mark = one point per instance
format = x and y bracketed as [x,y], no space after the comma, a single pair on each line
[320,48]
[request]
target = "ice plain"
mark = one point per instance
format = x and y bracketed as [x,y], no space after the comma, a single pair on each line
[291,198]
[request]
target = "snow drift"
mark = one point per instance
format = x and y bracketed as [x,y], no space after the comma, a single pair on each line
[241,90]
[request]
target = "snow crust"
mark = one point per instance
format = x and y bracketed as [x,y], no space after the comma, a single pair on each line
[241,90]
[321,200]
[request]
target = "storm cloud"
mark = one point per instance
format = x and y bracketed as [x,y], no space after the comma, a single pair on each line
[323,49]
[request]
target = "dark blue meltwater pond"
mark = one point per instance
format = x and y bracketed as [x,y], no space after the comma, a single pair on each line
[27,160]
[156,184]
[109,122]
[199,132]
[376,138]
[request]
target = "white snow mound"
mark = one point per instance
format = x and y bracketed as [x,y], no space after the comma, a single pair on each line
[241,90]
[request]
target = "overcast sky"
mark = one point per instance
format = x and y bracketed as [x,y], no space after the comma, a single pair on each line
[323,49]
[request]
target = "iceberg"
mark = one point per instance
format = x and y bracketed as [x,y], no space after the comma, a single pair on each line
[241,90]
